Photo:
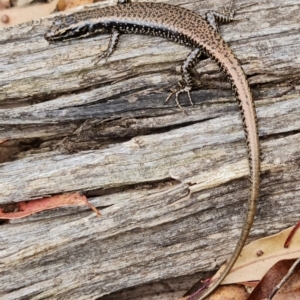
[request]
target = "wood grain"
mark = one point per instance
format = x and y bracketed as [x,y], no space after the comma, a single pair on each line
[172,187]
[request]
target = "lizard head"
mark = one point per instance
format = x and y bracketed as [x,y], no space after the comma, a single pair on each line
[68,28]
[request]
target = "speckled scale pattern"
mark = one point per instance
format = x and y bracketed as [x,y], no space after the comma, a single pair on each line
[160,17]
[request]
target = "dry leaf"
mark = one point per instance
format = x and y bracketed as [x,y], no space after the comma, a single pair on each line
[291,289]
[259,256]
[273,277]
[26,208]
[67,4]
[20,2]
[230,292]
[19,15]
[4,4]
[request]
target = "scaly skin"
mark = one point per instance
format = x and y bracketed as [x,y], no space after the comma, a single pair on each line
[188,28]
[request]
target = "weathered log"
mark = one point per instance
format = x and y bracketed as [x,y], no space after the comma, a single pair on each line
[172,187]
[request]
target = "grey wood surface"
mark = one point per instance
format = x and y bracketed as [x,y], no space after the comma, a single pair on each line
[172,187]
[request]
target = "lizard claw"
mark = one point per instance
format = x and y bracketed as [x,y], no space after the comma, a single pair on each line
[96,60]
[228,12]
[182,89]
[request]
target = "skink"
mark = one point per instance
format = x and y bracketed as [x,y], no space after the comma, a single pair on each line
[188,28]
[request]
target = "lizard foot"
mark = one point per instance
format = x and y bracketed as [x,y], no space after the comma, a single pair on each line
[181,89]
[228,12]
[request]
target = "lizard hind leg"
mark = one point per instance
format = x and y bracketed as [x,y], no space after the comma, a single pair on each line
[185,84]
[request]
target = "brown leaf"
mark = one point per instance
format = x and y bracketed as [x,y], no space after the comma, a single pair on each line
[228,292]
[67,4]
[291,289]
[19,15]
[273,277]
[26,208]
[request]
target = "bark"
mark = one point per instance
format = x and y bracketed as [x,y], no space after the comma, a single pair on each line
[172,187]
